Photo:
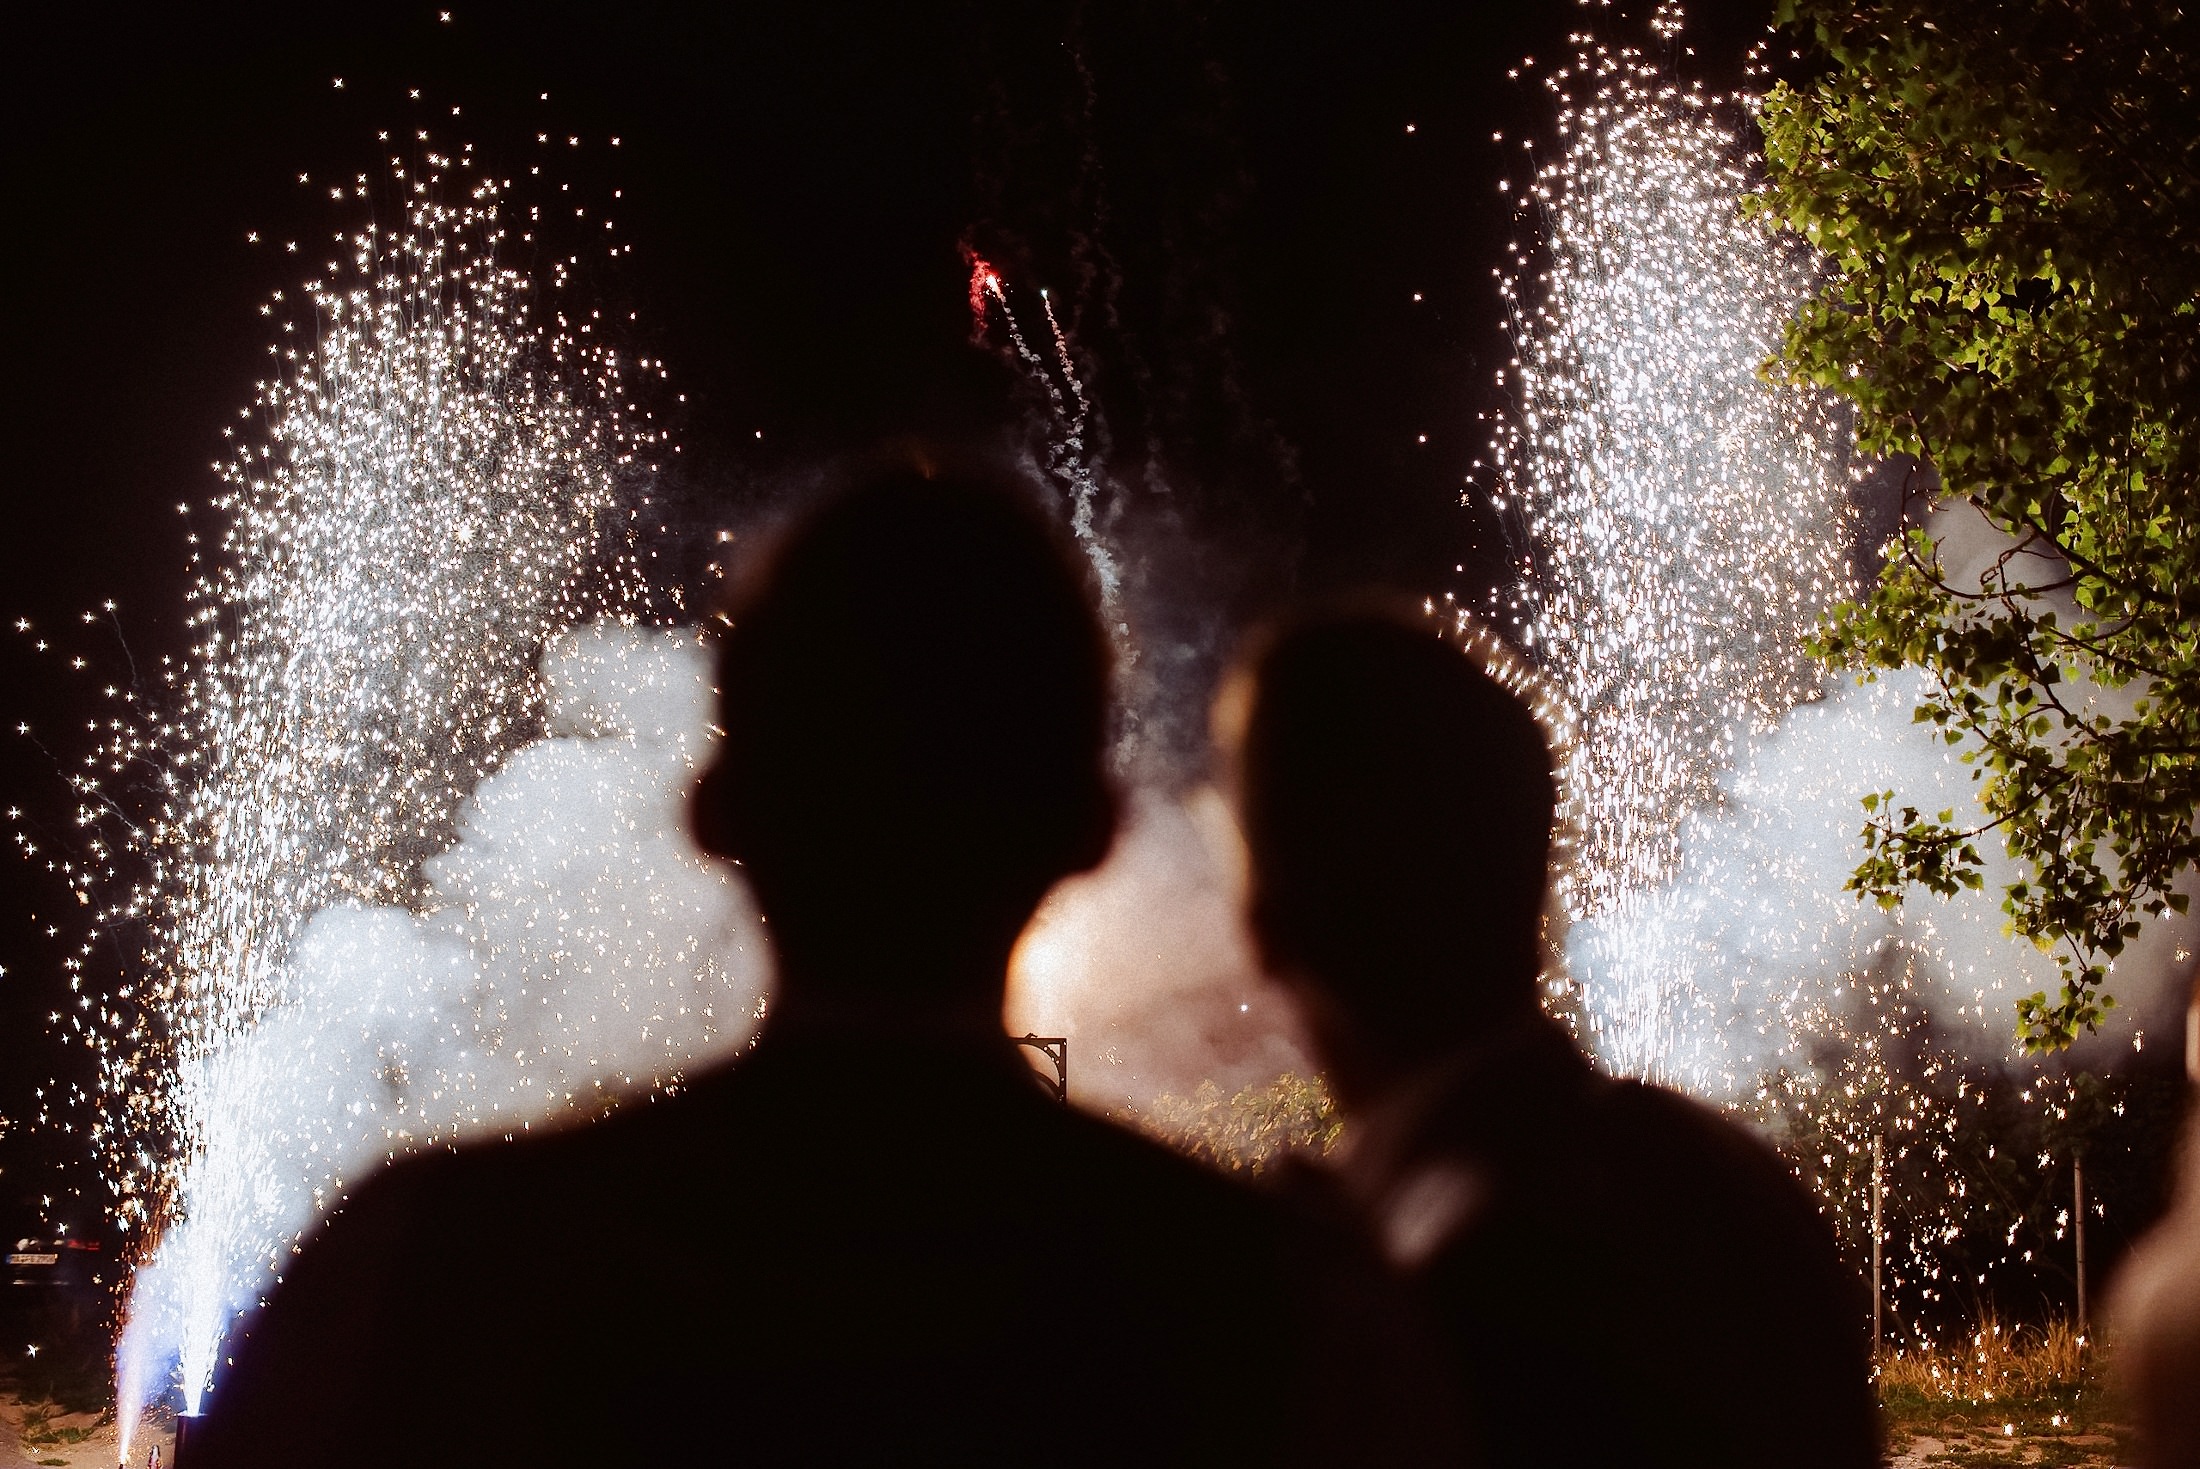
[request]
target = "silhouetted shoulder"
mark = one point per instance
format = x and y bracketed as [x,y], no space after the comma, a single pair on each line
[826,1257]
[1691,1151]
[1758,1313]
[345,1333]
[1641,1281]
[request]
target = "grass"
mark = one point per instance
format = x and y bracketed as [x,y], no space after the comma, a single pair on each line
[1248,1131]
[2005,1395]
[1996,1363]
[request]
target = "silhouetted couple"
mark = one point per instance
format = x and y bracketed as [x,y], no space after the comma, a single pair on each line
[873,1239]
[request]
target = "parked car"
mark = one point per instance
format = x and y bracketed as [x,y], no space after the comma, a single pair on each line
[56,1284]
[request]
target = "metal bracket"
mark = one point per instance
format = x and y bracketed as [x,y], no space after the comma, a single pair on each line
[1056,1049]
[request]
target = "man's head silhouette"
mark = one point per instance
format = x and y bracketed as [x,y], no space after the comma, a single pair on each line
[914,696]
[1398,802]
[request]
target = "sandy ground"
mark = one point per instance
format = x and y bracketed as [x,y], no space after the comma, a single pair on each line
[1958,1449]
[33,1435]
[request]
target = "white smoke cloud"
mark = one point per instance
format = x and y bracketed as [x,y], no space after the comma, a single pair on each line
[1752,951]
[574,946]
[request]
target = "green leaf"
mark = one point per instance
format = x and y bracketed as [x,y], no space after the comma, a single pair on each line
[2007,199]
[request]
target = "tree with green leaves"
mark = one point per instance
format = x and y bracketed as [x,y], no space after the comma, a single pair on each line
[2008,192]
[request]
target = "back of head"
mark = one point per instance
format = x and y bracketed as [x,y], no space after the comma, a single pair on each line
[915,706]
[1398,800]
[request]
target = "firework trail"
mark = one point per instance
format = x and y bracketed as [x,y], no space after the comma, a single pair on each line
[1068,461]
[405,886]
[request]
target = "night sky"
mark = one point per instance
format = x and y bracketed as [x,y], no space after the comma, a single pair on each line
[1238,202]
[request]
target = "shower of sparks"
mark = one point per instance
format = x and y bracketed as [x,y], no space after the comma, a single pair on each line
[430,495]
[1680,523]
[429,500]
[397,882]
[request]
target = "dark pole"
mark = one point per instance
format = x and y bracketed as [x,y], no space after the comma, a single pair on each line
[1878,1307]
[2077,1191]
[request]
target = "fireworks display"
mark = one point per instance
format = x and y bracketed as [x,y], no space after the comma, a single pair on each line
[417,867]
[411,864]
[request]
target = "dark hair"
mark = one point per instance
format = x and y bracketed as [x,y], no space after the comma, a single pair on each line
[915,692]
[1398,797]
